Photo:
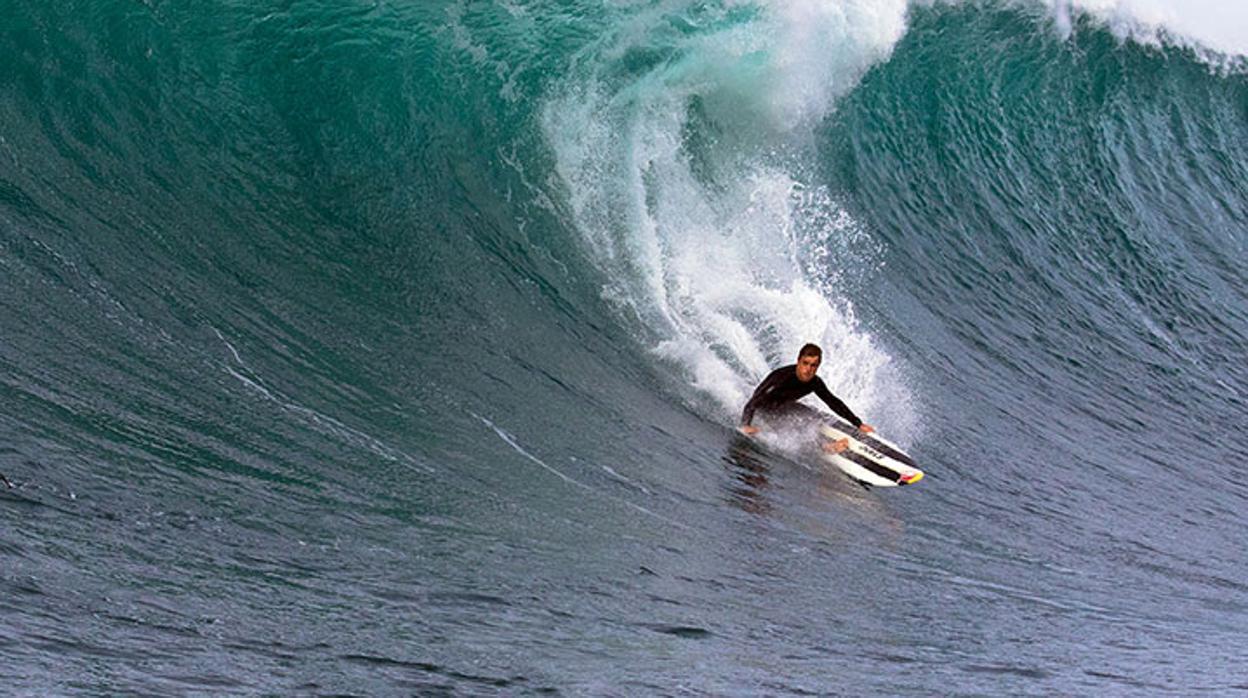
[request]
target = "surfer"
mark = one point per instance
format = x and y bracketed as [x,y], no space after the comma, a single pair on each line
[779,392]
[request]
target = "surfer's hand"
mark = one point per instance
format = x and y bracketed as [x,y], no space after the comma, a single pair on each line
[866,428]
[836,446]
[748,429]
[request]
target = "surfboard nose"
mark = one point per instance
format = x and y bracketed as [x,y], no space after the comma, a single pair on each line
[911,478]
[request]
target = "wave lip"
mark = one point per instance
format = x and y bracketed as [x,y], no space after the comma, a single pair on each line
[1216,31]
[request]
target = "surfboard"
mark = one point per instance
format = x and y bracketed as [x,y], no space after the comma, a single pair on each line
[869,459]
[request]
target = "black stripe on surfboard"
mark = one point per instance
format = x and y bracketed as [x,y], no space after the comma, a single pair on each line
[886,473]
[874,443]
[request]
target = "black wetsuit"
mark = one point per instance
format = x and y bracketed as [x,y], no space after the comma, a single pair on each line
[779,392]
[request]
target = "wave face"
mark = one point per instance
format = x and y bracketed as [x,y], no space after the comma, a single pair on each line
[397,347]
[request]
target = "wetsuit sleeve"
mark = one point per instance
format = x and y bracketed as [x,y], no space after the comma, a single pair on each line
[760,395]
[821,389]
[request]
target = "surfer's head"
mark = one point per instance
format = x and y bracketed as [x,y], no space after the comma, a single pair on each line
[808,360]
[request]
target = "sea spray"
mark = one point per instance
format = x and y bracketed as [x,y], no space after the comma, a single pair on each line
[682,151]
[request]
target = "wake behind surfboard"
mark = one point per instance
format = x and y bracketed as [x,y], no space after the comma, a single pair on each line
[869,459]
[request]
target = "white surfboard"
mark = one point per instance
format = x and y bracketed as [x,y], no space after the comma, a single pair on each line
[869,458]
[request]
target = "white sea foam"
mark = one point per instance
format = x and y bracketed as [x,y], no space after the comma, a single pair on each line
[716,245]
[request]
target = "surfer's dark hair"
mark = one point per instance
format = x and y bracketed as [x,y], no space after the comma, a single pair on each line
[810,350]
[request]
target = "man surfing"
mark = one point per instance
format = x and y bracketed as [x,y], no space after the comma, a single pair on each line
[779,392]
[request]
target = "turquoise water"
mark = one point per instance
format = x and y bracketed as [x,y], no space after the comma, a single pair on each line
[387,348]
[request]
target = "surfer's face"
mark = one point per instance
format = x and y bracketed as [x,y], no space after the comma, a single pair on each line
[806,367]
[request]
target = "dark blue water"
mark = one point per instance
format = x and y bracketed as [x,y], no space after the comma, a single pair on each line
[396,349]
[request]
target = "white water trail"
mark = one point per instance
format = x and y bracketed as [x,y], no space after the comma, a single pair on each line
[515,446]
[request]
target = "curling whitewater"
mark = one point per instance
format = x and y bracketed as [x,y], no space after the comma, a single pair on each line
[397,348]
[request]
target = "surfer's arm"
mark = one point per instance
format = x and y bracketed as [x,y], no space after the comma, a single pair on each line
[838,406]
[758,399]
[747,414]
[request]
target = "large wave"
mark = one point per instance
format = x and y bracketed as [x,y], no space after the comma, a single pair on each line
[418,329]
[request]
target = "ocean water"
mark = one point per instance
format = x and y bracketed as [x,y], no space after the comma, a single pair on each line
[396,348]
